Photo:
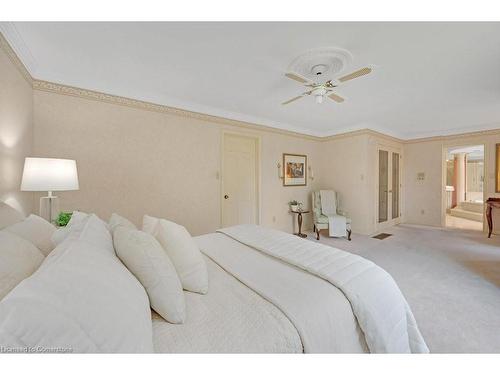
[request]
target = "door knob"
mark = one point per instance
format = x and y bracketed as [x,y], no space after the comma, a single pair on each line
[226,196]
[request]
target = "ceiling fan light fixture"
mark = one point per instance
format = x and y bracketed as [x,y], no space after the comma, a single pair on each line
[319,99]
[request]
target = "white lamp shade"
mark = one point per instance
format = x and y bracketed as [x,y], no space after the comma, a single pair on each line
[44,174]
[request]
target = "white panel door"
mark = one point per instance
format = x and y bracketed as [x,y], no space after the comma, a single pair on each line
[239,180]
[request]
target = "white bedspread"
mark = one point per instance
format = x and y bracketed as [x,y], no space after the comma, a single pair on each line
[379,306]
[230,318]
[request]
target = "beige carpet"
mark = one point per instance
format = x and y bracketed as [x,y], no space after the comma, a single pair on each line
[461,223]
[451,279]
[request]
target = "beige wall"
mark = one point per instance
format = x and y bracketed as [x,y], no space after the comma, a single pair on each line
[16,133]
[344,168]
[427,157]
[424,198]
[349,166]
[134,161]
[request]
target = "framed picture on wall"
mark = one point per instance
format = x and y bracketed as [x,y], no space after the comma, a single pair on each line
[497,174]
[294,170]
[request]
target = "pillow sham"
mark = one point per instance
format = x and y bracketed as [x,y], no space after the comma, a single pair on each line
[36,230]
[182,251]
[145,258]
[82,299]
[9,215]
[19,258]
[117,220]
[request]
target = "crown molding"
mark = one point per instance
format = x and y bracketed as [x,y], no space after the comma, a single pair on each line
[9,29]
[6,47]
[148,106]
[365,131]
[452,137]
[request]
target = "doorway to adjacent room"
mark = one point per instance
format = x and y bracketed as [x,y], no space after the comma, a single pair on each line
[465,187]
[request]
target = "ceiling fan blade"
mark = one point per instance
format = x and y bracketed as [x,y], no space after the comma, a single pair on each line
[356,74]
[292,100]
[336,98]
[296,77]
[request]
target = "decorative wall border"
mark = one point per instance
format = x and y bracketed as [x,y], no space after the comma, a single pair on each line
[148,106]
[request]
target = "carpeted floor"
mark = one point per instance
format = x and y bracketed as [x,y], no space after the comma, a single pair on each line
[451,279]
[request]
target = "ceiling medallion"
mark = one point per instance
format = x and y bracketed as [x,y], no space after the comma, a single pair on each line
[321,63]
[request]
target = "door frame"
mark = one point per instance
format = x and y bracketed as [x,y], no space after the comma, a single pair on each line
[390,222]
[444,151]
[258,179]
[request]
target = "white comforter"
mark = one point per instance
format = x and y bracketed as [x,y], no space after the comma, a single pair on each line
[319,314]
[379,306]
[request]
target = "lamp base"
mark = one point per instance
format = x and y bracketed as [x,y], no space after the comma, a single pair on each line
[49,208]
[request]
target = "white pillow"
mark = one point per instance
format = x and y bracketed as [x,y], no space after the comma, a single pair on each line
[9,215]
[182,251]
[117,220]
[145,258]
[36,230]
[81,298]
[77,217]
[19,258]
[92,230]
[76,220]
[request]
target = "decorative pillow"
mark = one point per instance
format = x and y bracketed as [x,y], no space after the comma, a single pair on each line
[145,258]
[81,299]
[36,230]
[19,258]
[117,220]
[182,251]
[9,215]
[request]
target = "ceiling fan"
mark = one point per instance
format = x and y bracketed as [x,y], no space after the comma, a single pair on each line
[320,90]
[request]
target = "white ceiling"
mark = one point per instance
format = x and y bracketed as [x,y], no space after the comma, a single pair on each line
[429,78]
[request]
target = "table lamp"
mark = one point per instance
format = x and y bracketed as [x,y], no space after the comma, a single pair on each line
[46,174]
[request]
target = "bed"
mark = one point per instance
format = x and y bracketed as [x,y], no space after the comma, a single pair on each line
[260,303]
[268,292]
[234,318]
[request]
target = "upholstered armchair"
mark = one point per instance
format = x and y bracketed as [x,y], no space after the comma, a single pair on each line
[321,221]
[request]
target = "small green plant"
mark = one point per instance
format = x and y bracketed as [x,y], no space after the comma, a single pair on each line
[293,203]
[63,219]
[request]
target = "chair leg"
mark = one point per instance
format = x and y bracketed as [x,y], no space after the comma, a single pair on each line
[349,234]
[317,234]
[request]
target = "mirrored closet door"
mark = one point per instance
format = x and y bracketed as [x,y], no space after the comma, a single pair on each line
[389,187]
